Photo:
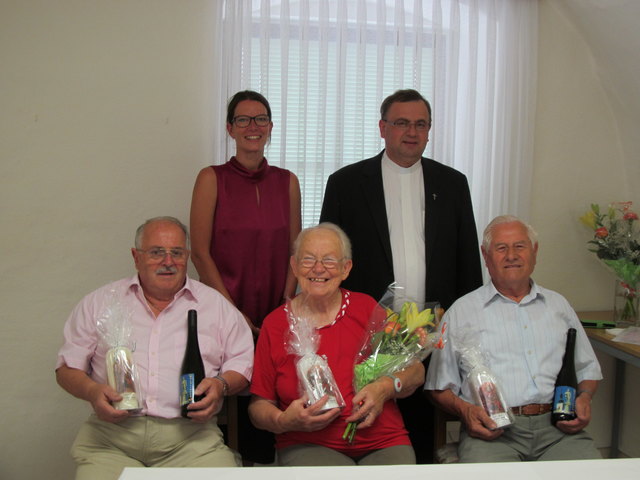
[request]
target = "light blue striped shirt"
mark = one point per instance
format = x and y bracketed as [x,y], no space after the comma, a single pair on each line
[523,343]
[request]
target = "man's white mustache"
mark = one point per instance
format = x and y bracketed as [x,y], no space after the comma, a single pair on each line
[167,269]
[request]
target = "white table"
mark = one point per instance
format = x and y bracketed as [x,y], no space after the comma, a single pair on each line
[618,469]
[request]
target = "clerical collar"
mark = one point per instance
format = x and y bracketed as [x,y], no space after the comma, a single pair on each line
[397,169]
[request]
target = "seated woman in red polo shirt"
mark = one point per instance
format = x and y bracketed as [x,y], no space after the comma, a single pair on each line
[310,435]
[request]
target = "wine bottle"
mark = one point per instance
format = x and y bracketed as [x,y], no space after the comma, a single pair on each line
[564,394]
[192,372]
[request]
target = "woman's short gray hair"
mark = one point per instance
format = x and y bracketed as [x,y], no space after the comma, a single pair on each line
[487,236]
[174,220]
[345,243]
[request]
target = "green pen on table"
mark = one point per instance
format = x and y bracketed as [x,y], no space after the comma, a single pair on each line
[597,324]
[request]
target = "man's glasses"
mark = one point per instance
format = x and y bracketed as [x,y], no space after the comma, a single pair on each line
[403,124]
[327,262]
[243,121]
[176,254]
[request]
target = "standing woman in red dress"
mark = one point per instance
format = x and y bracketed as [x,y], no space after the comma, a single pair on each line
[245,216]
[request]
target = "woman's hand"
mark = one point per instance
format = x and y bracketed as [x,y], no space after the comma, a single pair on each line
[368,404]
[297,417]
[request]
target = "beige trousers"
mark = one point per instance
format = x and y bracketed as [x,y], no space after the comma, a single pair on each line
[102,450]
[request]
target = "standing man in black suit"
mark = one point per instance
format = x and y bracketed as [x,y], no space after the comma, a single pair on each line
[410,220]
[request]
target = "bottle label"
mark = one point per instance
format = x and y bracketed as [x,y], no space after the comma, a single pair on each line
[490,398]
[564,400]
[502,419]
[187,388]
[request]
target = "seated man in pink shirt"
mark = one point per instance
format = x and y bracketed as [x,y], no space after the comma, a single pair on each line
[156,301]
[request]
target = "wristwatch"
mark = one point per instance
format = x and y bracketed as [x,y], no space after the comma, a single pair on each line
[397,384]
[225,385]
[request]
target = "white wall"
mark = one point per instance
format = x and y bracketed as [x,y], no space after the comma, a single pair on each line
[106,118]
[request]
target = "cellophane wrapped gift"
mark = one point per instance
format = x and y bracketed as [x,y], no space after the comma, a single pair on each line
[314,374]
[483,384]
[115,330]
[400,332]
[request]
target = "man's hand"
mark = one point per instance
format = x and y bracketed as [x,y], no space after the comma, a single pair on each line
[299,418]
[478,423]
[204,410]
[476,420]
[101,396]
[583,416]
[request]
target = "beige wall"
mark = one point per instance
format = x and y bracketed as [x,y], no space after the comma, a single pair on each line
[579,160]
[107,117]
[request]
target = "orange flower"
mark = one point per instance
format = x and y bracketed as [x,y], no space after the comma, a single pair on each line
[602,232]
[422,336]
[392,327]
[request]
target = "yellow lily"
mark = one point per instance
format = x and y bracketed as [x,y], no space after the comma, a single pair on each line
[405,313]
[589,219]
[392,316]
[417,319]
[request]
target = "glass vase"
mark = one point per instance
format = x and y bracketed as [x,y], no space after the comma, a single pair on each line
[625,305]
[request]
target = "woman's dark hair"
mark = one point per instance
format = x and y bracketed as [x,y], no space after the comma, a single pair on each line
[245,95]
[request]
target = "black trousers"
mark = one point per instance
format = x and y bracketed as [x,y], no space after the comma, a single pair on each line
[255,445]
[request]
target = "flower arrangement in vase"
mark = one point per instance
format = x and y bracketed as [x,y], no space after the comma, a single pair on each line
[616,243]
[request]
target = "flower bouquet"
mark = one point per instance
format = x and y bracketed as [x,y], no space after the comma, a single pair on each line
[616,243]
[396,337]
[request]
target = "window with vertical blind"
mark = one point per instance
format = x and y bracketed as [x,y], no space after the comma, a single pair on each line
[326,65]
[322,84]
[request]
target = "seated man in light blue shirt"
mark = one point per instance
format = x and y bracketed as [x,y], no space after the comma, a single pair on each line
[521,328]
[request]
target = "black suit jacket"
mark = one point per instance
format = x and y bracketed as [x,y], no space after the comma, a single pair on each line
[354,200]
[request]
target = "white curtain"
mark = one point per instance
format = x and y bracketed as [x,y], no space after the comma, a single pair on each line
[326,65]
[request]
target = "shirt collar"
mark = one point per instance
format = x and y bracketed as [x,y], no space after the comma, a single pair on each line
[490,293]
[346,294]
[187,289]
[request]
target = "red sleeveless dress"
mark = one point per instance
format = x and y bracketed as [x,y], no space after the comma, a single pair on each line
[250,237]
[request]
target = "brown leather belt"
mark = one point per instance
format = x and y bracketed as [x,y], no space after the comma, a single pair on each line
[532,409]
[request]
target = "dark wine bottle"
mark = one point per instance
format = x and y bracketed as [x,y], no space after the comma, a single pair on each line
[192,372]
[564,394]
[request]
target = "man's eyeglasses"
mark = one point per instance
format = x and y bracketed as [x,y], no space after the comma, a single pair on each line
[243,121]
[177,254]
[403,124]
[327,262]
